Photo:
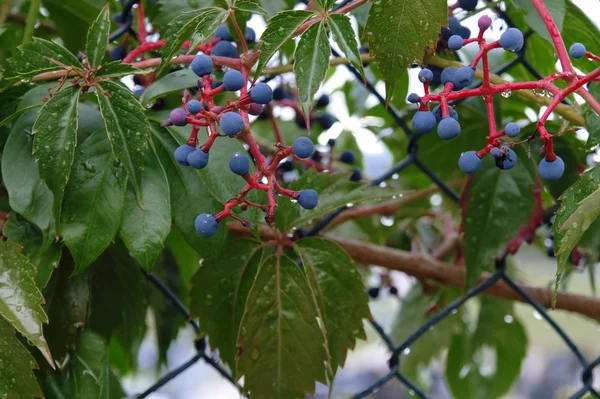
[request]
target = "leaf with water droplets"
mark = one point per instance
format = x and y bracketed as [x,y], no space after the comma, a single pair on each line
[97,37]
[579,208]
[344,36]
[93,202]
[280,318]
[116,69]
[279,30]
[339,295]
[127,129]
[54,141]
[20,299]
[311,63]
[399,31]
[16,367]
[220,288]
[499,206]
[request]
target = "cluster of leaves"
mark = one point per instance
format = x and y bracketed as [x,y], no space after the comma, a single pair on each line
[92,167]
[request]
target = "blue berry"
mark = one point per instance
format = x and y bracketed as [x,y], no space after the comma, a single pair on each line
[356,175]
[437,75]
[465,32]
[323,101]
[308,199]
[194,106]
[231,123]
[239,164]
[484,22]
[214,85]
[303,147]
[496,152]
[347,157]
[577,50]
[223,32]
[455,42]
[512,40]
[508,160]
[326,121]
[233,80]
[448,128]
[423,121]
[261,93]
[437,112]
[181,154]
[463,77]
[250,35]
[512,129]
[413,98]
[278,93]
[138,92]
[454,25]
[551,170]
[198,159]
[206,225]
[425,75]
[469,162]
[202,65]
[177,117]
[468,5]
[118,53]
[224,49]
[448,75]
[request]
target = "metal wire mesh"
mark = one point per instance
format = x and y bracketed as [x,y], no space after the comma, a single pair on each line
[396,350]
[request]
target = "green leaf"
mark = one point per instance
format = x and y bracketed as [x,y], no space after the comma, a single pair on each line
[189,197]
[30,61]
[279,29]
[93,202]
[250,6]
[220,288]
[200,23]
[26,194]
[557,9]
[73,19]
[592,119]
[497,329]
[344,36]
[144,230]
[338,293]
[20,299]
[118,301]
[54,141]
[127,129]
[280,316]
[579,207]
[174,82]
[90,367]
[16,363]
[311,63]
[116,69]
[399,31]
[498,204]
[97,37]
[30,237]
[334,190]
[18,113]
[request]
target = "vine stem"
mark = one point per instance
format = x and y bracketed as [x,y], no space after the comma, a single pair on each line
[34,8]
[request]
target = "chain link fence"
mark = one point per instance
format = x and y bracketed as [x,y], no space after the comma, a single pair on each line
[396,350]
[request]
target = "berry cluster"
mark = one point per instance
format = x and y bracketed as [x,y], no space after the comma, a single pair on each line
[456,80]
[232,120]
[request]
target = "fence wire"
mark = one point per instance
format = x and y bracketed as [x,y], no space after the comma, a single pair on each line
[396,351]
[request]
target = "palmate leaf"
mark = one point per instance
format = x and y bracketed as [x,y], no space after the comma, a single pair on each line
[279,29]
[127,129]
[20,299]
[280,318]
[54,141]
[116,69]
[93,202]
[399,31]
[498,204]
[16,366]
[579,207]
[174,82]
[97,37]
[220,288]
[339,295]
[200,23]
[311,63]
[344,36]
